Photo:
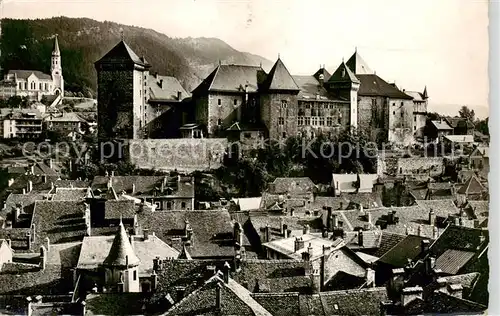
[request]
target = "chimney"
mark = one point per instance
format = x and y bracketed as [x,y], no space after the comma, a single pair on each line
[11,182]
[225,272]
[88,225]
[189,232]
[299,244]
[160,83]
[24,190]
[285,231]
[396,282]
[442,285]
[324,233]
[370,277]
[455,290]
[145,231]
[154,280]
[316,281]
[266,233]
[47,243]
[281,226]
[369,217]
[432,217]
[179,95]
[306,229]
[360,238]
[84,307]
[30,186]
[430,262]
[43,257]
[51,165]
[16,212]
[32,169]
[435,233]
[28,240]
[30,303]
[424,246]
[420,230]
[411,293]
[33,232]
[133,188]
[218,298]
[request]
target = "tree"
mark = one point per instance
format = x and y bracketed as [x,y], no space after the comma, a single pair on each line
[467,113]
[482,126]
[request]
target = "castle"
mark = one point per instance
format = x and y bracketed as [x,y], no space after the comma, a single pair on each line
[244,102]
[34,84]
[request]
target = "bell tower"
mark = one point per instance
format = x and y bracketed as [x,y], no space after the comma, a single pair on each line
[56,69]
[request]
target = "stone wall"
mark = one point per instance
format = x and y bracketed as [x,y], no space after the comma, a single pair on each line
[280,105]
[115,103]
[181,154]
[401,121]
[373,118]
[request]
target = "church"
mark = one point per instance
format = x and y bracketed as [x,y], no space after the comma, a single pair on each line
[35,84]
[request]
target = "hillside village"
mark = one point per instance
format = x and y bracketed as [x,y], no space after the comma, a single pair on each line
[121,225]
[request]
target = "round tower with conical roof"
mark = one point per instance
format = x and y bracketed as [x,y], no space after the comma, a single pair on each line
[121,264]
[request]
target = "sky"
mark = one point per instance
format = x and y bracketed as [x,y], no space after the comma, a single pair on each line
[441,44]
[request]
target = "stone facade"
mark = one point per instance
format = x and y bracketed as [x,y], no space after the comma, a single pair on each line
[373,117]
[279,114]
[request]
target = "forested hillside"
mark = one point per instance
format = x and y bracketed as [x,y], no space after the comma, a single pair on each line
[27,44]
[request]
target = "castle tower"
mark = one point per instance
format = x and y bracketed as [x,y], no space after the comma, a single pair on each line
[121,264]
[56,69]
[121,94]
[279,107]
[344,84]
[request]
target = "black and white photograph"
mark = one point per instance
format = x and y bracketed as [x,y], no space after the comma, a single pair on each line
[245,157]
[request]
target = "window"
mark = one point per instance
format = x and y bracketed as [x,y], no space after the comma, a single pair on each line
[307,120]
[169,205]
[314,121]
[414,128]
[393,112]
[219,102]
[135,275]
[281,121]
[219,122]
[247,135]
[414,119]
[300,120]
[325,106]
[329,121]
[284,134]
[339,120]
[183,205]
[322,121]
[402,103]
[308,105]
[374,102]
[394,104]
[26,86]
[284,104]
[40,86]
[331,106]
[235,101]
[402,114]
[20,85]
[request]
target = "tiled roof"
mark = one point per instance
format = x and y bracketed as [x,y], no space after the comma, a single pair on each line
[310,88]
[232,78]
[373,85]
[387,241]
[96,248]
[441,125]
[467,280]
[301,284]
[481,151]
[114,209]
[168,90]
[459,122]
[27,201]
[280,79]
[147,185]
[343,74]
[280,304]
[65,117]
[324,72]
[212,230]
[28,279]
[114,304]
[358,65]
[442,303]
[293,185]
[460,138]
[460,238]
[119,52]
[408,248]
[451,261]
[286,246]
[293,223]
[68,194]
[353,302]
[121,253]
[255,270]
[417,96]
[471,186]
[368,200]
[235,300]
[478,208]
[441,208]
[24,74]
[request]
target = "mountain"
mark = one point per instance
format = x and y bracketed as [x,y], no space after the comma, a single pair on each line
[27,44]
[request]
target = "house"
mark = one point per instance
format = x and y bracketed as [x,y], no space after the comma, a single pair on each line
[165,192]
[472,189]
[95,251]
[20,123]
[353,183]
[460,125]
[458,140]
[441,129]
[67,122]
[479,159]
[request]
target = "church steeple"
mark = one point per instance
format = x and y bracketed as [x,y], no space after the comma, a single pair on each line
[56,69]
[56,51]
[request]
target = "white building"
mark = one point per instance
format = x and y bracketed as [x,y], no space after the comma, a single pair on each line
[33,83]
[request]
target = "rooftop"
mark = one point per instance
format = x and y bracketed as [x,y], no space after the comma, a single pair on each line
[311,244]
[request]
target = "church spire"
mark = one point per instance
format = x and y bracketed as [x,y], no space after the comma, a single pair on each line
[56,51]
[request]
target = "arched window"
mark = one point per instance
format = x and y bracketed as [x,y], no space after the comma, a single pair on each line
[169,205]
